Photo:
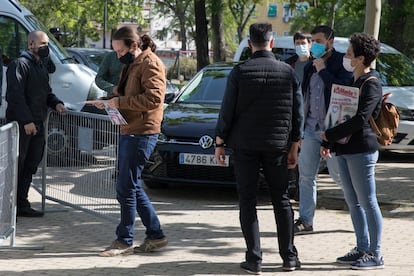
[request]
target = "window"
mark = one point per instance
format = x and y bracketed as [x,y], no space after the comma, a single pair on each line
[206,87]
[302,8]
[272,10]
[287,12]
[13,39]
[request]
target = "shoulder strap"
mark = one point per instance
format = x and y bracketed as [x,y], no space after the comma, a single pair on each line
[362,85]
[371,119]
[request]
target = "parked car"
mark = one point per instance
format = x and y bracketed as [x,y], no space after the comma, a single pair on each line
[185,147]
[73,83]
[91,57]
[396,75]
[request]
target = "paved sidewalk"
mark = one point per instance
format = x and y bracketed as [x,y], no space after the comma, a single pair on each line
[205,239]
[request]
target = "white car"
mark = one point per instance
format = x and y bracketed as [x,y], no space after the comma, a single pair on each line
[396,74]
[73,83]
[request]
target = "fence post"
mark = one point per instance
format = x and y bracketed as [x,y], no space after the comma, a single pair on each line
[9,159]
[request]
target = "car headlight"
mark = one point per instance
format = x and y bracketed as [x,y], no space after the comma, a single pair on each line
[95,92]
[405,114]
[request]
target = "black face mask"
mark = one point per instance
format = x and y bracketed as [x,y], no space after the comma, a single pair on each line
[43,51]
[127,59]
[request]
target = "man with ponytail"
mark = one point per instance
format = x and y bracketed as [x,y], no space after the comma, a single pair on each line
[140,99]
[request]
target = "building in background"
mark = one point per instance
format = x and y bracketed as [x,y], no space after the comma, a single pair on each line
[279,14]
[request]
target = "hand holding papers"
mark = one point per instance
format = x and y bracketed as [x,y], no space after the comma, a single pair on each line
[114,115]
[342,107]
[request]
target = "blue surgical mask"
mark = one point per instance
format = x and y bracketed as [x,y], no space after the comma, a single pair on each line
[302,50]
[318,50]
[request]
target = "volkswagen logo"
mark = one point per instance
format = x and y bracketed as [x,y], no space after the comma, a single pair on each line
[205,141]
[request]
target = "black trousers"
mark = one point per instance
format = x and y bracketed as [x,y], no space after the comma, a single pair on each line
[31,149]
[274,164]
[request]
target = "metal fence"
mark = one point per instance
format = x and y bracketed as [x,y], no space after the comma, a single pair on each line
[79,165]
[9,138]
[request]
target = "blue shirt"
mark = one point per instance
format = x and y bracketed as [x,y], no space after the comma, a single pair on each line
[315,119]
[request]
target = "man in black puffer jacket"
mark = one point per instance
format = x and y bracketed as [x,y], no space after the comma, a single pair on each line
[28,97]
[260,120]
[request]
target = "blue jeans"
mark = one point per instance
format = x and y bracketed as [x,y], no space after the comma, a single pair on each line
[358,180]
[309,159]
[134,151]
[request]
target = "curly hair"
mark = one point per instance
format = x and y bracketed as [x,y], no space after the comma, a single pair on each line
[365,45]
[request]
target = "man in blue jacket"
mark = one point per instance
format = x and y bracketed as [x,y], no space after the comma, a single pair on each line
[260,120]
[325,69]
[28,97]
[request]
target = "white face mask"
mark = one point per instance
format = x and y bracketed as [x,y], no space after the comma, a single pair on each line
[302,50]
[346,62]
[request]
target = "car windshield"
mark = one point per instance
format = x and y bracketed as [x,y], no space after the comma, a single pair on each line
[56,48]
[207,87]
[394,68]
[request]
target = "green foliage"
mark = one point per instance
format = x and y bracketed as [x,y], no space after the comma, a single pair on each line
[187,67]
[84,18]
[242,11]
[349,17]
[345,17]
[396,25]
[182,14]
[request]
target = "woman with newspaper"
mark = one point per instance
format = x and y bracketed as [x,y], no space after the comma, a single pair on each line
[357,156]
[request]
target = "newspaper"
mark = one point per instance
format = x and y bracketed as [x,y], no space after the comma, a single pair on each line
[115,116]
[342,107]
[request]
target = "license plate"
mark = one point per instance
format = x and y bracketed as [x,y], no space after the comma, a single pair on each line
[201,159]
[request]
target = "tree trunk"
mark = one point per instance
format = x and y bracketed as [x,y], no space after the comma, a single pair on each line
[202,34]
[217,27]
[372,20]
[372,17]
[183,32]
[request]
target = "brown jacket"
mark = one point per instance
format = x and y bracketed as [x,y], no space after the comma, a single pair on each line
[141,94]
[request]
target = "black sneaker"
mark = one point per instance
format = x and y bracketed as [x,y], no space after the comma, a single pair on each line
[350,257]
[301,228]
[29,212]
[291,265]
[251,268]
[368,262]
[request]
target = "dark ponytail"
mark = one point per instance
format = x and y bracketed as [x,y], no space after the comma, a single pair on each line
[147,42]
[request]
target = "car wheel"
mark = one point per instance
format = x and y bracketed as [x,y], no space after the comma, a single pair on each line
[62,144]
